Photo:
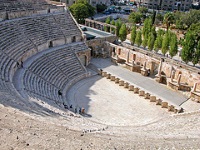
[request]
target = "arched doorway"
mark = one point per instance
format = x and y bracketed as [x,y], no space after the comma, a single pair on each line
[83,59]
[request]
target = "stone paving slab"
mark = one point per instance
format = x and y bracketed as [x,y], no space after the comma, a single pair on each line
[146,83]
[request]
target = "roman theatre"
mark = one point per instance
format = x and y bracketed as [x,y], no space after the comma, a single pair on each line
[70,86]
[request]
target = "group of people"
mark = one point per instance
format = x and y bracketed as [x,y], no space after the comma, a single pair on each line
[76,110]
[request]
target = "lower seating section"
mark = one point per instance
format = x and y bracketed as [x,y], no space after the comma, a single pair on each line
[48,75]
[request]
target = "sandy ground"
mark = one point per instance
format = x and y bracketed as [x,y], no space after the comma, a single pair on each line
[24,131]
[110,104]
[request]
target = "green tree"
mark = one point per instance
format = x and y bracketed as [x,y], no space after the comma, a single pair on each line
[168,19]
[188,47]
[113,23]
[143,10]
[145,41]
[81,10]
[118,25]
[151,41]
[195,29]
[158,41]
[108,22]
[101,7]
[173,45]
[165,43]
[133,35]
[138,39]
[196,56]
[147,26]
[135,17]
[122,33]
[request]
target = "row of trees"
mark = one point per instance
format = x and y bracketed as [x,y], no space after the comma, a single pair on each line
[167,41]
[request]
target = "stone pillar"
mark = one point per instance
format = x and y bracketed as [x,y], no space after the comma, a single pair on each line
[136,90]
[104,74]
[179,79]
[131,88]
[147,96]
[121,83]
[164,105]
[127,58]
[160,68]
[116,80]
[172,75]
[141,93]
[152,99]
[158,102]
[144,65]
[112,78]
[126,85]
[194,87]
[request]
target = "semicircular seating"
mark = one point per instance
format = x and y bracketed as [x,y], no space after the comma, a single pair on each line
[53,71]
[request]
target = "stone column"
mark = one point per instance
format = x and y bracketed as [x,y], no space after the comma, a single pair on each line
[172,75]
[144,65]
[179,79]
[160,68]
[127,58]
[194,87]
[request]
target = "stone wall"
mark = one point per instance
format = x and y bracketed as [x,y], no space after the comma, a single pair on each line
[96,44]
[152,61]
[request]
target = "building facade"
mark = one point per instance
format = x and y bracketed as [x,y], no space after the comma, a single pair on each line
[92,2]
[168,5]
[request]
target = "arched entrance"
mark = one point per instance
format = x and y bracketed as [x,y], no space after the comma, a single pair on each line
[83,59]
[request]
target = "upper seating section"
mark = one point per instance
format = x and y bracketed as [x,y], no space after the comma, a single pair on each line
[23,37]
[10,9]
[22,5]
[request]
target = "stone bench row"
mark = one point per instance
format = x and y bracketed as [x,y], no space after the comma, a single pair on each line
[37,85]
[142,93]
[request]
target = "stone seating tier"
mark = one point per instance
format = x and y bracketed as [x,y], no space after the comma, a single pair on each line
[20,38]
[52,72]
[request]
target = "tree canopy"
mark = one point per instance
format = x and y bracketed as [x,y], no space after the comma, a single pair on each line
[135,17]
[138,39]
[168,19]
[81,10]
[188,47]
[122,33]
[133,35]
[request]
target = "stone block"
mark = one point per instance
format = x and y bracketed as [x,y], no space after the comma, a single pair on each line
[141,93]
[170,108]
[147,96]
[108,76]
[164,105]
[116,80]
[121,83]
[131,88]
[126,85]
[104,74]
[136,90]
[112,78]
[152,99]
[158,102]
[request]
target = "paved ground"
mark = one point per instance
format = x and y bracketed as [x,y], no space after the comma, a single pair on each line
[137,79]
[107,103]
